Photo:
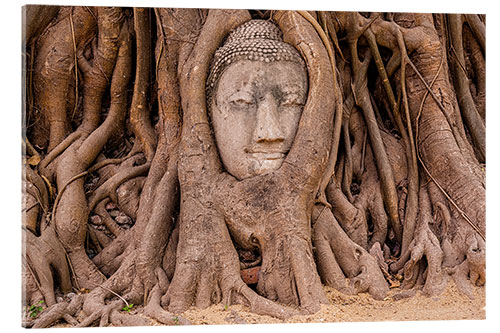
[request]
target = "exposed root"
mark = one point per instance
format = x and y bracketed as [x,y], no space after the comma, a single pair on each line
[57,151]
[59,311]
[352,217]
[43,266]
[356,263]
[139,111]
[96,308]
[111,257]
[106,219]
[154,310]
[362,99]
[110,186]
[468,109]
[471,272]
[425,244]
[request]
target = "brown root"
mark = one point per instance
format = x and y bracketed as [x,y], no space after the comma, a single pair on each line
[191,234]
[356,263]
[471,272]
[53,260]
[425,244]
[469,111]
[139,111]
[59,311]
[53,78]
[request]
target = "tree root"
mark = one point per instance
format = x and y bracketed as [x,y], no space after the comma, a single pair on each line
[110,186]
[154,310]
[351,261]
[57,151]
[351,216]
[425,244]
[43,266]
[468,109]
[207,269]
[111,257]
[361,97]
[53,75]
[139,110]
[95,307]
[60,311]
[472,271]
[106,219]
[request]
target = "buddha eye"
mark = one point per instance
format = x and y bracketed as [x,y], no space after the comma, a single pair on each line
[242,102]
[241,99]
[292,100]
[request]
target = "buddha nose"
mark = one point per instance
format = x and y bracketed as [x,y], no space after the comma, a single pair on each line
[267,125]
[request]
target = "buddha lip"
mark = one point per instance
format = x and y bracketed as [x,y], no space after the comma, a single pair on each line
[269,155]
[265,150]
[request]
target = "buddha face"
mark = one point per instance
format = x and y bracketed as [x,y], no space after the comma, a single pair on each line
[255,113]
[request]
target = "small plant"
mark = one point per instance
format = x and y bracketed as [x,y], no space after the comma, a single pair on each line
[226,307]
[176,320]
[128,307]
[35,309]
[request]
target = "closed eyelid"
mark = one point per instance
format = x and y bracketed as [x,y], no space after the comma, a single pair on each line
[293,97]
[241,96]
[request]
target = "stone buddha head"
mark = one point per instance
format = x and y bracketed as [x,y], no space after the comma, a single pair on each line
[256,90]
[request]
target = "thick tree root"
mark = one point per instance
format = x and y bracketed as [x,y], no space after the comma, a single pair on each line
[111,257]
[182,251]
[154,310]
[205,280]
[339,257]
[44,266]
[110,314]
[109,188]
[425,243]
[60,311]
[472,271]
[290,258]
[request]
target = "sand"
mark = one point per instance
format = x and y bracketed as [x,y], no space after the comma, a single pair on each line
[450,305]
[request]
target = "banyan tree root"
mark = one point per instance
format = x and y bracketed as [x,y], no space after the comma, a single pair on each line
[425,244]
[62,310]
[169,262]
[367,206]
[128,258]
[43,266]
[71,215]
[343,264]
[276,220]
[54,76]
[472,271]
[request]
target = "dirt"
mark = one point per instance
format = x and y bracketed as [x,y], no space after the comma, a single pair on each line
[451,305]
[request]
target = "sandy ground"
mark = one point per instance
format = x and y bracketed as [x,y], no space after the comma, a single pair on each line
[451,305]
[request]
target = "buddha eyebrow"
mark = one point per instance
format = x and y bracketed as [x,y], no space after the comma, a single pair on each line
[240,94]
[292,89]
[293,93]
